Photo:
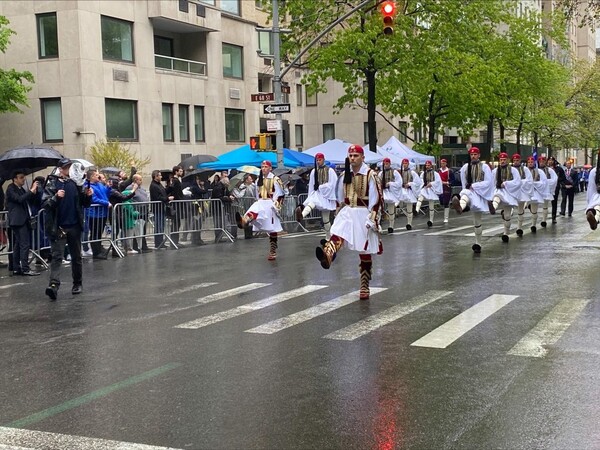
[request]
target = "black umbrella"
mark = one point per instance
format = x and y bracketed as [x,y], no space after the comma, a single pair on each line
[192,162]
[192,173]
[110,170]
[28,159]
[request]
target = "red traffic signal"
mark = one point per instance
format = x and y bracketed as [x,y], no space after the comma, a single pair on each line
[388,9]
[254,143]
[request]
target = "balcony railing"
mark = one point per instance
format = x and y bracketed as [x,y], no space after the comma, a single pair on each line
[180,65]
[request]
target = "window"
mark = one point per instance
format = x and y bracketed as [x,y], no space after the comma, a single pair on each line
[52,126]
[299,135]
[117,42]
[311,99]
[298,95]
[184,123]
[234,125]
[232,61]
[47,35]
[199,124]
[403,132]
[121,119]
[264,42]
[328,131]
[167,120]
[184,6]
[163,46]
[231,6]
[417,134]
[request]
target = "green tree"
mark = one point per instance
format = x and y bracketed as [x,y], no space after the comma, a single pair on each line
[113,154]
[13,84]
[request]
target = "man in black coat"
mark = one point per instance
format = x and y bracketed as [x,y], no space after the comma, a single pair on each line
[63,202]
[158,193]
[17,204]
[175,190]
[560,173]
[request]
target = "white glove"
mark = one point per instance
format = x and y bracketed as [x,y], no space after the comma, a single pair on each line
[370,224]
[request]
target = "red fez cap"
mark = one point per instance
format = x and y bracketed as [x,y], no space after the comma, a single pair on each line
[473,150]
[443,160]
[320,155]
[530,159]
[503,155]
[516,156]
[267,162]
[355,148]
[428,163]
[387,160]
[405,161]
[542,158]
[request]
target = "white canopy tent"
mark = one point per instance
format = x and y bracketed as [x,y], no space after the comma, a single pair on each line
[336,150]
[394,147]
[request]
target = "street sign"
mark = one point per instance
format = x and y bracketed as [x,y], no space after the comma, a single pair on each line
[277,108]
[266,97]
[273,125]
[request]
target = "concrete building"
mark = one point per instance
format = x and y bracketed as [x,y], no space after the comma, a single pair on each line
[169,78]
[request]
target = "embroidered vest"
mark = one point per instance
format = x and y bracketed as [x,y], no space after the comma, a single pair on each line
[266,190]
[357,192]
[534,174]
[322,175]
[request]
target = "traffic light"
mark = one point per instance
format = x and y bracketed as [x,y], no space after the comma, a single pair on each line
[388,9]
[259,142]
[254,141]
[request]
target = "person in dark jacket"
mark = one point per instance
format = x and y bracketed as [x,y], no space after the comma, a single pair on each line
[560,173]
[220,212]
[199,193]
[158,193]
[175,190]
[63,202]
[17,204]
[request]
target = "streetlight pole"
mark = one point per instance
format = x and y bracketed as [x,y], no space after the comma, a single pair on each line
[277,83]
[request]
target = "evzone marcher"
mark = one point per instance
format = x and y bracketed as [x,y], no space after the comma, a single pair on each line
[391,185]
[430,191]
[447,177]
[526,191]
[321,193]
[592,212]
[411,187]
[540,187]
[355,226]
[551,181]
[477,193]
[507,183]
[264,214]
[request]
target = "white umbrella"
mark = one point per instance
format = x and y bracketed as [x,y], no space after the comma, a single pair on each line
[84,162]
[336,150]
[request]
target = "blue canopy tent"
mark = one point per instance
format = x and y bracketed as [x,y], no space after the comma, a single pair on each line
[245,156]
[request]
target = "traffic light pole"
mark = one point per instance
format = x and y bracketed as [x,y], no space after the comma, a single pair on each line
[277,83]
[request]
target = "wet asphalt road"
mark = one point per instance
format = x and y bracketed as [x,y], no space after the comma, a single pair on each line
[184,349]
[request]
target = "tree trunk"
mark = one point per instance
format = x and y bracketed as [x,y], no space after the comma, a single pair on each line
[490,133]
[371,106]
[502,143]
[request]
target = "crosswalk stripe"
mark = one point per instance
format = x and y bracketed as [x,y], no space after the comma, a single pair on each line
[446,334]
[376,321]
[310,313]
[16,438]
[451,230]
[254,306]
[11,285]
[231,292]
[549,330]
[189,288]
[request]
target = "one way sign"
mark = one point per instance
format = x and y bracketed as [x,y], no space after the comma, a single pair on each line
[276,108]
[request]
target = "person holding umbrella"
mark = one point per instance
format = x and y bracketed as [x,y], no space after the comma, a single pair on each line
[17,204]
[63,202]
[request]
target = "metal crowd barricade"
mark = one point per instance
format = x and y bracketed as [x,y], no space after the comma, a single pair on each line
[39,240]
[315,214]
[96,229]
[139,220]
[197,215]
[5,249]
[238,205]
[288,212]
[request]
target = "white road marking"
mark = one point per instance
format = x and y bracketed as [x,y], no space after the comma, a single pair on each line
[549,330]
[488,231]
[376,321]
[451,230]
[11,285]
[254,306]
[446,334]
[231,292]
[309,233]
[189,288]
[16,438]
[310,313]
